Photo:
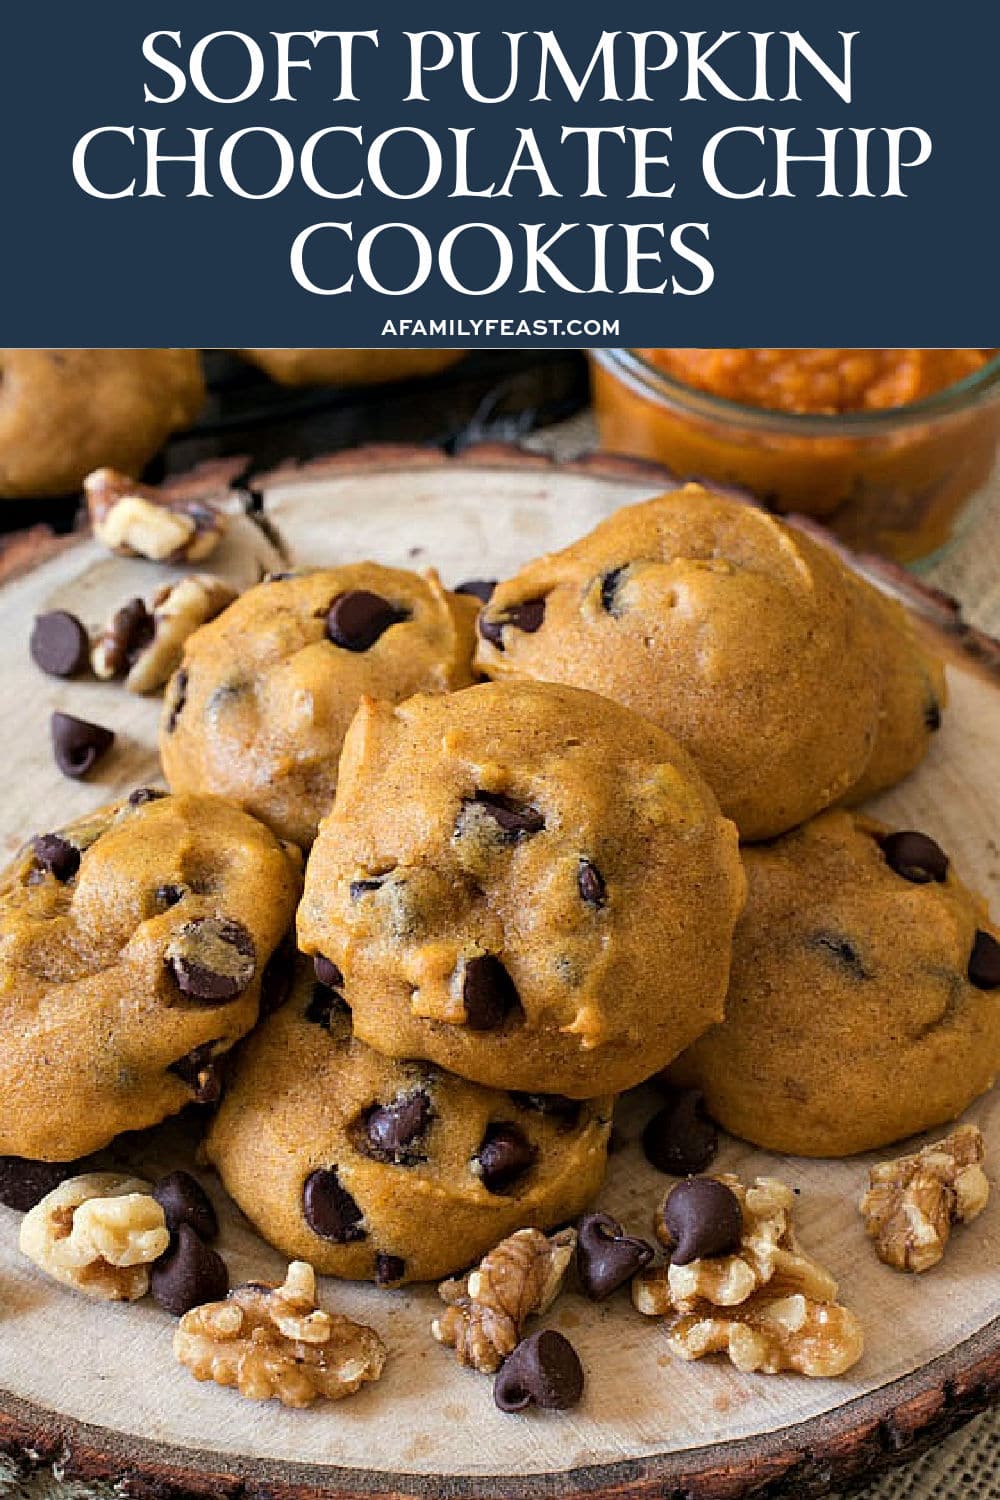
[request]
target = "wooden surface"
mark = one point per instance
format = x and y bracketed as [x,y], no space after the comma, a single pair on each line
[98,1386]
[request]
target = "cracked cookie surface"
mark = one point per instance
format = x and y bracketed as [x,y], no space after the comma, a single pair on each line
[745,639]
[864,1003]
[258,709]
[133,944]
[390,1170]
[526,884]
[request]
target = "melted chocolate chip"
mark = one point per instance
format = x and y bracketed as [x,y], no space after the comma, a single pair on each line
[482,589]
[609,590]
[590,884]
[488,993]
[556,1106]
[199,1069]
[212,959]
[184,1201]
[167,896]
[389,1269]
[59,644]
[57,855]
[327,972]
[527,617]
[358,618]
[915,856]
[390,1132]
[504,1155]
[680,1138]
[77,744]
[984,962]
[702,1217]
[176,698]
[607,1257]
[188,1274]
[514,820]
[329,1209]
[361,888]
[544,1370]
[23,1182]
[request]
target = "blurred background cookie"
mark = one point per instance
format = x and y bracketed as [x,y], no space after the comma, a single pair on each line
[349,366]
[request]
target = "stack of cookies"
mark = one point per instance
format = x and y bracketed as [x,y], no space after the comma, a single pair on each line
[627,851]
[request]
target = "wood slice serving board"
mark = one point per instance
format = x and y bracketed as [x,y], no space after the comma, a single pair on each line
[94,1389]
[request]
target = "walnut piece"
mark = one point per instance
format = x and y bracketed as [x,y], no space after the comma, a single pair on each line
[138,521]
[178,610]
[98,1233]
[912,1202]
[768,1306]
[488,1308]
[272,1341]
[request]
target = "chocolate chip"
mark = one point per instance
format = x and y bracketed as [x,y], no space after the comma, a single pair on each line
[590,884]
[527,617]
[131,630]
[390,1130]
[839,948]
[329,1209]
[358,618]
[327,972]
[680,1138]
[199,1069]
[488,993]
[323,1005]
[915,856]
[932,715]
[77,744]
[544,1370]
[609,590]
[176,697]
[59,644]
[212,959]
[504,1154]
[56,854]
[514,820]
[556,1106]
[144,794]
[167,896]
[480,588]
[389,1269]
[361,888]
[188,1274]
[984,962]
[23,1182]
[184,1201]
[702,1217]
[607,1257]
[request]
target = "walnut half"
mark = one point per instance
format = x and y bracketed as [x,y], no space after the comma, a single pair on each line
[912,1202]
[138,521]
[767,1306]
[98,1233]
[487,1309]
[272,1341]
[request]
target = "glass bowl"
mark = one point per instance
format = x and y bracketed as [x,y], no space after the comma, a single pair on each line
[892,481]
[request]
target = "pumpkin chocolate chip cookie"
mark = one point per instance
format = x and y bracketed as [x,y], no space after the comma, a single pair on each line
[744,638]
[258,708]
[133,947]
[526,884]
[864,1003]
[390,1170]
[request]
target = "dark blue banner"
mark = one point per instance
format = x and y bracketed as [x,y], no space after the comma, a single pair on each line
[233,172]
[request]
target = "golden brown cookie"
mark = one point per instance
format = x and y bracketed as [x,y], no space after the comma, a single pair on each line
[64,412]
[386,1170]
[258,709]
[744,638]
[133,948]
[526,884]
[864,1003]
[349,366]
